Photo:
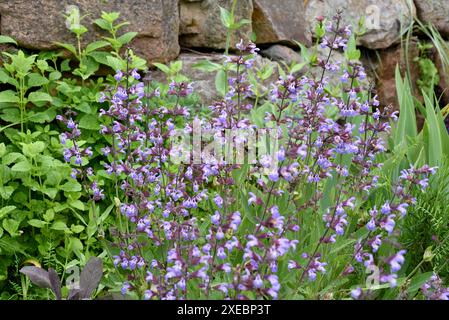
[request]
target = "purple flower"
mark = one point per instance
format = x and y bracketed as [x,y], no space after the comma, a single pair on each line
[396,261]
[218,201]
[118,75]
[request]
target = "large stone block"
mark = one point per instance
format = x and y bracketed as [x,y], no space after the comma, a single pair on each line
[38,24]
[435,12]
[201,24]
[279,21]
[385,19]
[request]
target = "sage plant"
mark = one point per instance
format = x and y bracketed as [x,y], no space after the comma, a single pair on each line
[267,227]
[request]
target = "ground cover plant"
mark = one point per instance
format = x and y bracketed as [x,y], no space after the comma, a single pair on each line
[305,190]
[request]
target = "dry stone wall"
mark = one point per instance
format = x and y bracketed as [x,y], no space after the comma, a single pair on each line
[167,29]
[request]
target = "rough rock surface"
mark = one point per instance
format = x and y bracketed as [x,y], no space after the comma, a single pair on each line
[443,86]
[38,24]
[201,25]
[386,84]
[282,53]
[204,82]
[384,18]
[435,12]
[279,21]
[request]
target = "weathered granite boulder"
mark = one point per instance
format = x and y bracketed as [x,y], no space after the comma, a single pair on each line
[201,24]
[384,18]
[279,21]
[38,24]
[435,12]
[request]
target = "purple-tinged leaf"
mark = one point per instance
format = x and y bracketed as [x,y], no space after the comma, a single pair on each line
[38,276]
[55,283]
[74,294]
[90,277]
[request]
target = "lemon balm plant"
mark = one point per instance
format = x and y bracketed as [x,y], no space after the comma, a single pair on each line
[44,217]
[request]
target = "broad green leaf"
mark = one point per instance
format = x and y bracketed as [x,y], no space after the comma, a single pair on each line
[12,157]
[9,96]
[36,80]
[77,204]
[6,192]
[90,122]
[77,228]
[11,115]
[2,149]
[6,39]
[68,47]
[59,225]
[5,210]
[11,226]
[103,24]
[39,97]
[5,78]
[71,186]
[162,67]
[226,18]
[221,80]
[55,75]
[93,46]
[33,149]
[206,66]
[23,166]
[37,223]
[127,37]
[114,63]
[76,246]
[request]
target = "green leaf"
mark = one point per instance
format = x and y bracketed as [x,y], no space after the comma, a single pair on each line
[11,115]
[90,122]
[96,45]
[226,18]
[12,157]
[33,149]
[6,39]
[206,66]
[101,57]
[39,97]
[127,37]
[77,204]
[76,228]
[162,67]
[76,246]
[6,191]
[59,225]
[37,223]
[68,47]
[221,80]
[418,280]
[49,215]
[36,80]
[114,63]
[8,96]
[176,66]
[23,166]
[11,226]
[5,210]
[55,75]
[2,149]
[5,78]
[103,24]
[71,186]
[434,143]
